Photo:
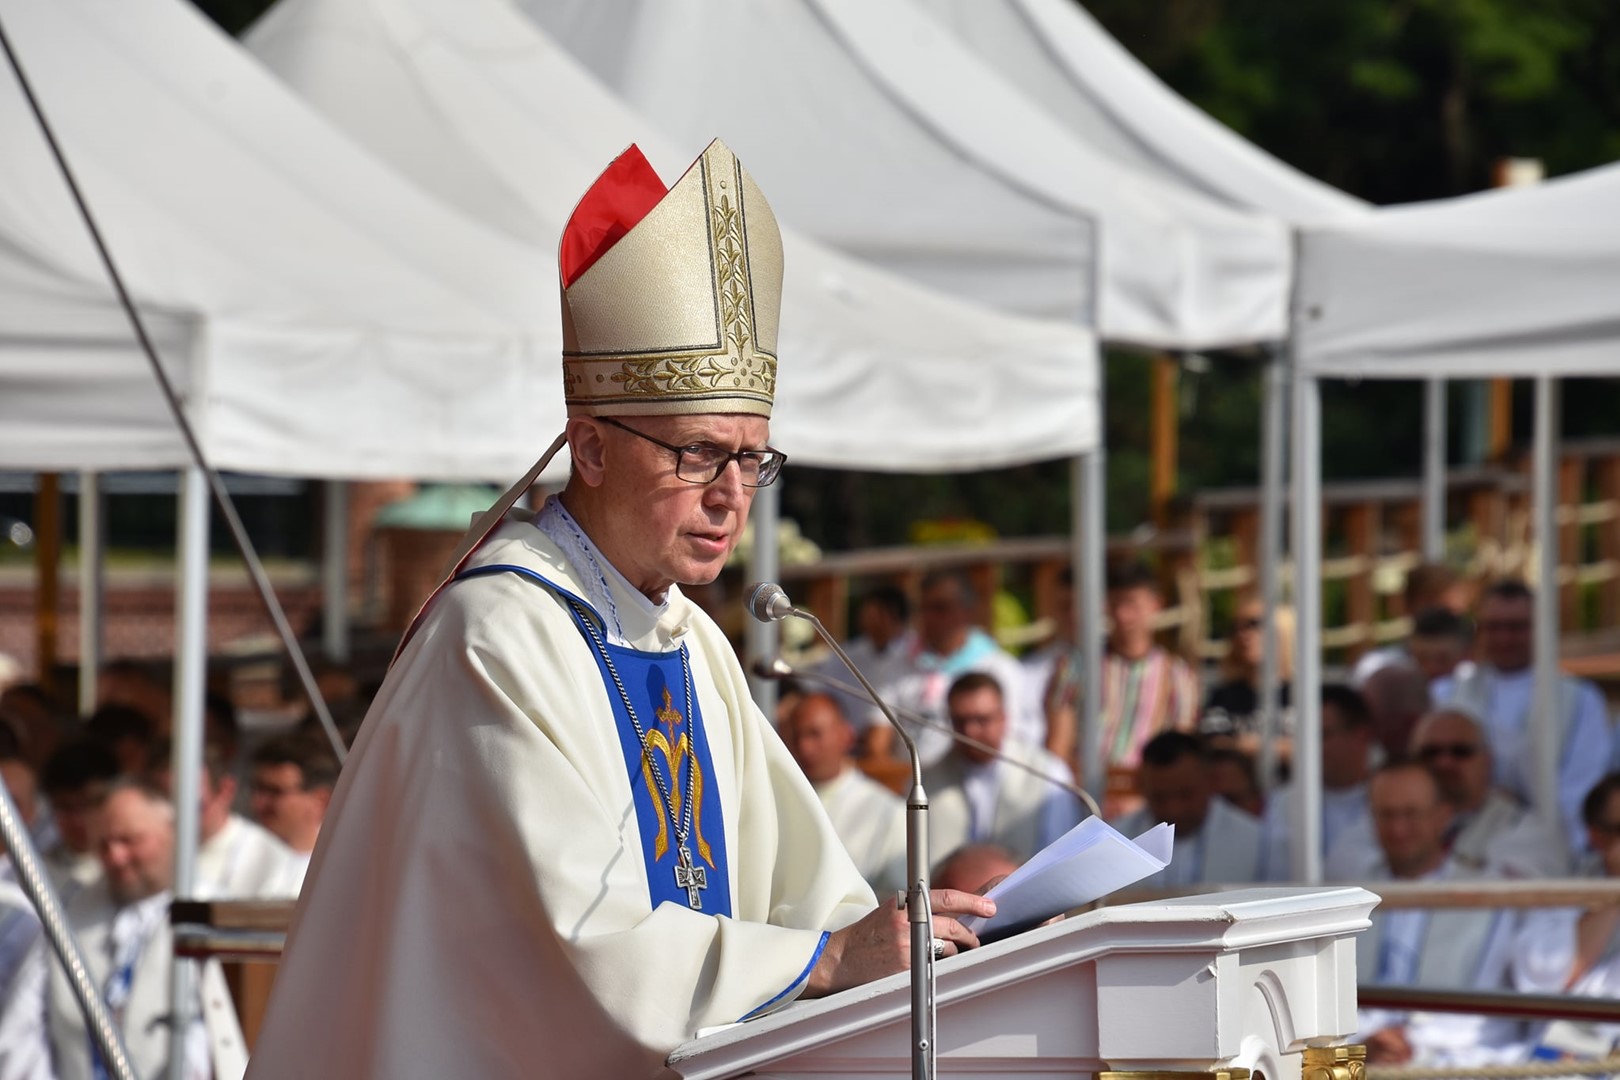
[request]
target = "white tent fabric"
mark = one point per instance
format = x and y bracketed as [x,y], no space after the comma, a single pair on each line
[880,133]
[503,124]
[1516,281]
[1060,56]
[322,316]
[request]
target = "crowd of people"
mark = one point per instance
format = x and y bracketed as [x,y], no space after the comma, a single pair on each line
[1424,771]
[1426,747]
[96,796]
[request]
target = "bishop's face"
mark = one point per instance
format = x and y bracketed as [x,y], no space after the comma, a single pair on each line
[662,529]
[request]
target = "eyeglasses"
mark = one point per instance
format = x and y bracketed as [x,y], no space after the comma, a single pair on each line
[700,464]
[1436,751]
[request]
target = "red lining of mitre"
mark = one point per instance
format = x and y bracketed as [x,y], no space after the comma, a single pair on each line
[625,193]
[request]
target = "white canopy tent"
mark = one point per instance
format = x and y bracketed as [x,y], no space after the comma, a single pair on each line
[880,133]
[1062,58]
[876,373]
[323,317]
[1513,282]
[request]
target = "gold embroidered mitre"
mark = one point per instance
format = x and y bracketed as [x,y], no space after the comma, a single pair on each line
[670,299]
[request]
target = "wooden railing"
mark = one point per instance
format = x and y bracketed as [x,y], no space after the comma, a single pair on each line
[1372,540]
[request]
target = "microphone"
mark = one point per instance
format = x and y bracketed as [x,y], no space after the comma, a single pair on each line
[780,669]
[767,602]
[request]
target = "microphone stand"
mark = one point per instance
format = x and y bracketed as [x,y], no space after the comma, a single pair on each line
[769,603]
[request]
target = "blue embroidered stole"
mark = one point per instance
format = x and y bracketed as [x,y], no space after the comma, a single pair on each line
[656,684]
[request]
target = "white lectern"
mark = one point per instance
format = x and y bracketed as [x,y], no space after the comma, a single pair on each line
[1218,983]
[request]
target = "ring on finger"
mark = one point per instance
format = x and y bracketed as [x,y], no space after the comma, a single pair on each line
[939,947]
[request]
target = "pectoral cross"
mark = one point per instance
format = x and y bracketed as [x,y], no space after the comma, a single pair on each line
[690,877]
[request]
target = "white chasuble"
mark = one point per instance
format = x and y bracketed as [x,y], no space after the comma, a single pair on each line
[481,899]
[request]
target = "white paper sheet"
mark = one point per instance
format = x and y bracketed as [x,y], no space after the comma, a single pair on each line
[1086,863]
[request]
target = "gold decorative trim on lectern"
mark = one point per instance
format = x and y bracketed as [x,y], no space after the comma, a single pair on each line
[1169,1074]
[1334,1063]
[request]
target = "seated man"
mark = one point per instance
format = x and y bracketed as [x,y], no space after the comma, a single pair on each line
[1347,749]
[869,818]
[948,645]
[1575,951]
[1233,773]
[292,780]
[236,859]
[883,653]
[25,1052]
[75,780]
[974,868]
[1459,948]
[1441,640]
[122,923]
[1500,691]
[1216,843]
[974,797]
[20,780]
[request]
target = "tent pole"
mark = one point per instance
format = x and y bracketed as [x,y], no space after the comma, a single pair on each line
[1434,470]
[1547,731]
[190,679]
[335,571]
[762,640]
[1307,550]
[1273,466]
[92,586]
[1086,474]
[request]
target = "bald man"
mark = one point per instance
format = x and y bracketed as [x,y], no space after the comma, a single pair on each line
[868,817]
[974,867]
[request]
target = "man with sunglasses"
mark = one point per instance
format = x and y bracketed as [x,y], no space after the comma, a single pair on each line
[1490,831]
[565,839]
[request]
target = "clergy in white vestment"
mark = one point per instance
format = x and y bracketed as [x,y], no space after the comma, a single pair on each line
[1501,690]
[1347,750]
[1575,951]
[122,925]
[291,789]
[977,797]
[1452,948]
[869,818]
[565,839]
[882,651]
[1216,843]
[237,859]
[25,1052]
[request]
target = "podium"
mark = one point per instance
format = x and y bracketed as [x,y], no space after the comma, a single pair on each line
[1260,979]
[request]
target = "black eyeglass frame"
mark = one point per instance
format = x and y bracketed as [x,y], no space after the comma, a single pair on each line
[769,460]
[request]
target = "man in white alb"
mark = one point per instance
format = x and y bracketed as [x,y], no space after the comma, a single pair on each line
[1501,691]
[565,839]
[870,819]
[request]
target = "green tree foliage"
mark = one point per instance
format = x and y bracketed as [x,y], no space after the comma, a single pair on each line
[1393,100]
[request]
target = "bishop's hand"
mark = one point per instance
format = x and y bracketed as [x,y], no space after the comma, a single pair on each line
[880,943]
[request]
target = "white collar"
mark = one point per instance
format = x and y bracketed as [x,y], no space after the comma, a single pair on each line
[606,588]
